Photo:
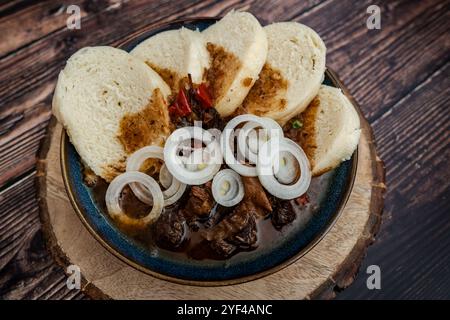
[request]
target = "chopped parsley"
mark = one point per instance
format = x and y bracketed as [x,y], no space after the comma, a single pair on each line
[297,124]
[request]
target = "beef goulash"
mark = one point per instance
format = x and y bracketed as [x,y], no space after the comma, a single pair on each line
[208,144]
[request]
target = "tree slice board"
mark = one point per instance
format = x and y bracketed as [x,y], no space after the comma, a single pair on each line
[331,265]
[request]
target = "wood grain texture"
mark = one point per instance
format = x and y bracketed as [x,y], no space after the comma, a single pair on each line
[412,249]
[26,269]
[385,70]
[32,23]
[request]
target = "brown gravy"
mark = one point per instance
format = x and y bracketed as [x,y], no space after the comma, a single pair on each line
[194,245]
[185,230]
[266,92]
[223,69]
[150,126]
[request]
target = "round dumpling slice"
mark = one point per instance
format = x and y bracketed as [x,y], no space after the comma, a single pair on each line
[110,104]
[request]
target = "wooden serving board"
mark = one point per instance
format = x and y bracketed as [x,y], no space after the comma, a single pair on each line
[330,265]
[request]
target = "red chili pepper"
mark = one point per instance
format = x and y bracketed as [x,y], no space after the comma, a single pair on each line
[181,106]
[202,95]
[302,200]
[173,109]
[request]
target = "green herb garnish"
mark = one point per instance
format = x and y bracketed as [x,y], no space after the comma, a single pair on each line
[297,124]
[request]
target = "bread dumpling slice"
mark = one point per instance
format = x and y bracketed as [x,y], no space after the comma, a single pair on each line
[110,104]
[331,130]
[292,73]
[174,54]
[237,45]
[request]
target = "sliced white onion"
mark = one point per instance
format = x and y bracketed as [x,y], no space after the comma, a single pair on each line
[288,168]
[176,164]
[266,161]
[174,190]
[175,196]
[227,188]
[165,178]
[227,141]
[249,142]
[196,160]
[115,189]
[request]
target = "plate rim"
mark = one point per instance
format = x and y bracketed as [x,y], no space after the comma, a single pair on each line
[207,283]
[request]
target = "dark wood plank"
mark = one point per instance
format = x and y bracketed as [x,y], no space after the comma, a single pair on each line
[27,271]
[268,11]
[19,146]
[35,21]
[413,245]
[8,7]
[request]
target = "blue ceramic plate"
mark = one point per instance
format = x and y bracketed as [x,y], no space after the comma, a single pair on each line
[330,191]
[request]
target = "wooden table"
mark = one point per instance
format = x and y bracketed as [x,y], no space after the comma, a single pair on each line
[400,75]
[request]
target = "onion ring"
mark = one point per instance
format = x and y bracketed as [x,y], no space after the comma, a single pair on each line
[227,142]
[115,189]
[177,165]
[247,142]
[288,169]
[165,178]
[173,192]
[227,188]
[270,183]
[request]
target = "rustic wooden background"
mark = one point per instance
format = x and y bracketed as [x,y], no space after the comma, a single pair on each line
[400,75]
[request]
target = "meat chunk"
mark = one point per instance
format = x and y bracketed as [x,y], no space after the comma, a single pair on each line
[219,213]
[170,229]
[199,204]
[200,201]
[230,225]
[255,196]
[247,237]
[283,214]
[239,228]
[222,248]
[236,230]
